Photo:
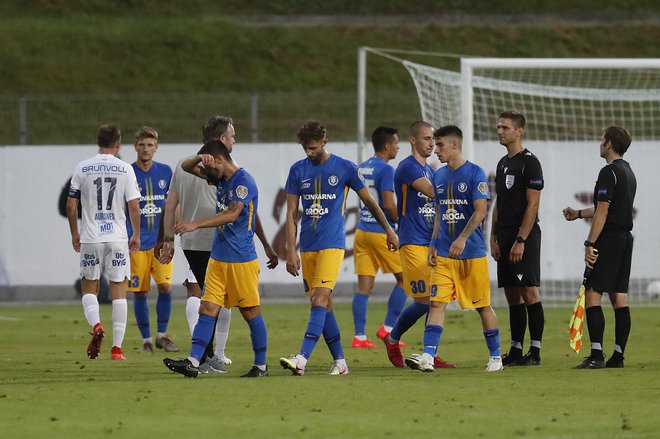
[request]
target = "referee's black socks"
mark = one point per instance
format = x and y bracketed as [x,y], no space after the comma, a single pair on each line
[596,327]
[536,323]
[621,329]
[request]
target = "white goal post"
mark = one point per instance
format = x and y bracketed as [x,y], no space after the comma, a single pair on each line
[567,103]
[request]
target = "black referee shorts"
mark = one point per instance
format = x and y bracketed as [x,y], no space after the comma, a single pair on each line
[611,273]
[198,260]
[528,272]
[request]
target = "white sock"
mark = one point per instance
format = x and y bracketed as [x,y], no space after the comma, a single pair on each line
[341,362]
[302,361]
[222,332]
[387,328]
[194,361]
[160,335]
[119,318]
[427,357]
[90,305]
[361,337]
[148,340]
[192,312]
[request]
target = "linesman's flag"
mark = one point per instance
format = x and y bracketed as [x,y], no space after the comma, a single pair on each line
[576,324]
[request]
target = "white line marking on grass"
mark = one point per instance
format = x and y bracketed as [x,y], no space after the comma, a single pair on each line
[9,319]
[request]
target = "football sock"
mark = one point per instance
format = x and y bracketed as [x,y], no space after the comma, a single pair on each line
[596,326]
[536,319]
[119,318]
[222,332]
[201,336]
[163,311]
[360,302]
[141,310]
[622,325]
[395,304]
[432,335]
[407,318]
[332,336]
[90,305]
[518,323]
[313,332]
[492,337]
[192,312]
[259,337]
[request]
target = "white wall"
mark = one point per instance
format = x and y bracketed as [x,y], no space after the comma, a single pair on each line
[35,246]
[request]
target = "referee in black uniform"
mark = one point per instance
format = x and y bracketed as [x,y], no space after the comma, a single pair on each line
[608,248]
[516,239]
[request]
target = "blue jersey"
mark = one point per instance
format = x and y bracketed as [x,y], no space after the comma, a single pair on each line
[378,176]
[153,185]
[416,212]
[323,190]
[455,193]
[235,242]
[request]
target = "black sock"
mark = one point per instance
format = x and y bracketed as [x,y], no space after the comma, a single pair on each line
[621,328]
[536,319]
[518,322]
[596,326]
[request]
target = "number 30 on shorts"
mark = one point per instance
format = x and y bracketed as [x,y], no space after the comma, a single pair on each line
[417,287]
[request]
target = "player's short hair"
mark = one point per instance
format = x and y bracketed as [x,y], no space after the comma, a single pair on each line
[108,135]
[620,138]
[311,131]
[416,127]
[449,131]
[215,148]
[215,127]
[146,132]
[516,117]
[381,137]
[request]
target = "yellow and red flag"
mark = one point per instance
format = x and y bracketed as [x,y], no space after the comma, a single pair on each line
[576,324]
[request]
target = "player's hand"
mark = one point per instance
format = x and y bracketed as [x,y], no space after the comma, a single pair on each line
[134,244]
[457,247]
[273,259]
[570,214]
[158,248]
[495,249]
[432,259]
[293,263]
[392,240]
[516,253]
[166,253]
[590,256]
[184,227]
[75,241]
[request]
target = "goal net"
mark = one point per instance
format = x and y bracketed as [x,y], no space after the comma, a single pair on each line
[567,104]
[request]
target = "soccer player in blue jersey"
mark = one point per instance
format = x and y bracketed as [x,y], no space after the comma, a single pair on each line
[321,181]
[458,251]
[154,182]
[370,244]
[232,275]
[414,192]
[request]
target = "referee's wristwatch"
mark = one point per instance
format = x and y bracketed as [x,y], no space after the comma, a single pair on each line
[520,240]
[588,243]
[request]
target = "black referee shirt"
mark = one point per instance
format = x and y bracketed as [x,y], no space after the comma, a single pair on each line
[513,177]
[617,185]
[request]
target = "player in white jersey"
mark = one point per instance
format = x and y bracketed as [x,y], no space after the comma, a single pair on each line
[104,185]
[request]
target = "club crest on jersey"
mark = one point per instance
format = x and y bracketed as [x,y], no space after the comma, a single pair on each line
[509,181]
[241,192]
[462,186]
[483,188]
[333,180]
[162,184]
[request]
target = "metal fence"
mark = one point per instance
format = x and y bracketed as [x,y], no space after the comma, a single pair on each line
[52,119]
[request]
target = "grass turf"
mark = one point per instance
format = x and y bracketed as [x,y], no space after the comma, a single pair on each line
[49,387]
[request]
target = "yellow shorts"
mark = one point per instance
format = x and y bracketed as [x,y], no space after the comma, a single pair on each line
[321,268]
[230,284]
[371,253]
[465,280]
[145,264]
[416,270]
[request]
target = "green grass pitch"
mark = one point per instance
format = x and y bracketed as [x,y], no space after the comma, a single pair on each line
[48,388]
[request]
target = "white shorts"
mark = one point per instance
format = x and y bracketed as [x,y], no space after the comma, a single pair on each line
[111,258]
[191,279]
